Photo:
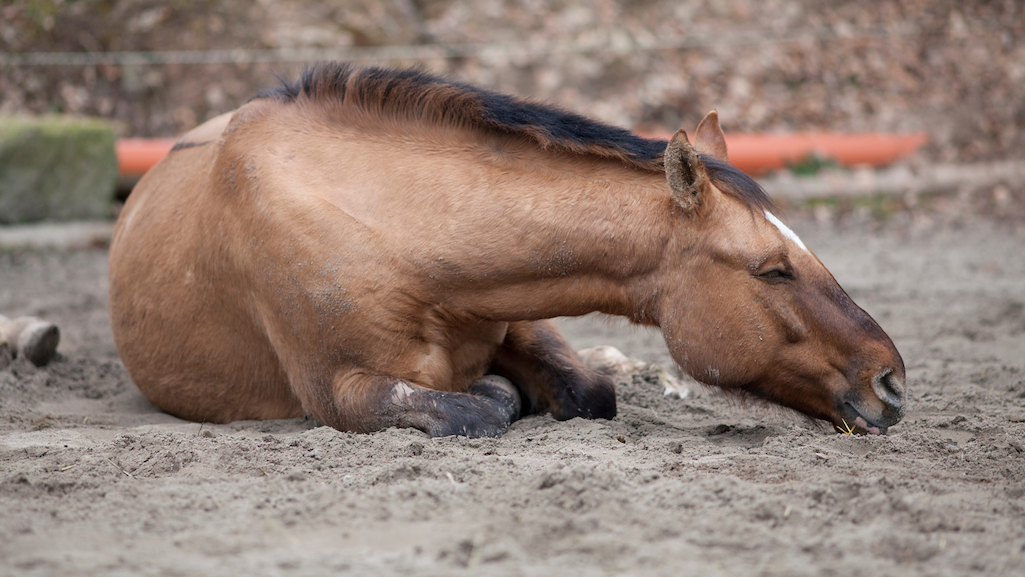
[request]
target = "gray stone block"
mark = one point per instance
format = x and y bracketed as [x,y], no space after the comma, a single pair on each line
[56,168]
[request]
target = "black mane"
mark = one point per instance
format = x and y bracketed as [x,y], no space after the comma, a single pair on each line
[424,96]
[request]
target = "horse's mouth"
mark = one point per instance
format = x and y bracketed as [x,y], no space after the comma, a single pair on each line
[856,423]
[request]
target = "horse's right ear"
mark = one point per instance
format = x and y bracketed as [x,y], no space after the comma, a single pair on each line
[688,181]
[709,138]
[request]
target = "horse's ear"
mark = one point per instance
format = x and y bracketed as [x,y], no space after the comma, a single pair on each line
[685,172]
[709,139]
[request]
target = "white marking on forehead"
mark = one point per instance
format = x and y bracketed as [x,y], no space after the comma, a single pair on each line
[785,230]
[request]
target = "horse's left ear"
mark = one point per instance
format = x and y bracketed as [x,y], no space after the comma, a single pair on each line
[685,172]
[709,139]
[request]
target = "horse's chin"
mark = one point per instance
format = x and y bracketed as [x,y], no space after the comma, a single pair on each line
[854,421]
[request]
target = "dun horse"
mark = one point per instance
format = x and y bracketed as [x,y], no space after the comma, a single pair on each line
[382,248]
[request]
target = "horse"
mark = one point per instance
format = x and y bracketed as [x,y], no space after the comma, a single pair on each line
[380,247]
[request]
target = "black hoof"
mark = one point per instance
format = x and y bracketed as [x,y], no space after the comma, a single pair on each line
[592,398]
[487,409]
[500,390]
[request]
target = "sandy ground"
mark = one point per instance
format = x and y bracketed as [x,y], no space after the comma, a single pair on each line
[94,480]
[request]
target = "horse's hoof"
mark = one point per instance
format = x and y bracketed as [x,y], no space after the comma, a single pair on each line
[500,390]
[38,342]
[486,409]
[587,396]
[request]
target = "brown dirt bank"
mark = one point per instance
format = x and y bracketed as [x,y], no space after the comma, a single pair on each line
[952,68]
[94,480]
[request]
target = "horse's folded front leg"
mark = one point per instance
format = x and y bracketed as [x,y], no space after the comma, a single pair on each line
[550,374]
[365,403]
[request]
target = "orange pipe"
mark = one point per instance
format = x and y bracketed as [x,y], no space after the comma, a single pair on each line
[761,152]
[137,155]
[753,153]
[756,153]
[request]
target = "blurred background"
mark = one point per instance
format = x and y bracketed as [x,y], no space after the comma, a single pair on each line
[954,69]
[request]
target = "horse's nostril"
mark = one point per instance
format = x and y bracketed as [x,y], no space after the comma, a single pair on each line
[889,388]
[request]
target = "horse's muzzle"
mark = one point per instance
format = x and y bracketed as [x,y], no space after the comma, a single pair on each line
[891,392]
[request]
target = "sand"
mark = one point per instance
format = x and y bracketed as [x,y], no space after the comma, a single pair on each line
[95,481]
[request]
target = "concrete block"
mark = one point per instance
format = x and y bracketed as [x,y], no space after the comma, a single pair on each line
[56,168]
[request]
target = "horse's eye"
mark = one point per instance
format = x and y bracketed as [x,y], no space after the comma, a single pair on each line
[776,274]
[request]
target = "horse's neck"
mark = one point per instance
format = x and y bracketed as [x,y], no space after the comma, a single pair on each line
[505,231]
[562,240]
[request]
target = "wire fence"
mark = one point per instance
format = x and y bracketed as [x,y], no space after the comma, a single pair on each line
[620,43]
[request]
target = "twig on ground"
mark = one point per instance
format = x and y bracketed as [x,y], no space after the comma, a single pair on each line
[116,466]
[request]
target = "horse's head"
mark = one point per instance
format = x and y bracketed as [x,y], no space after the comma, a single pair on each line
[745,306]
